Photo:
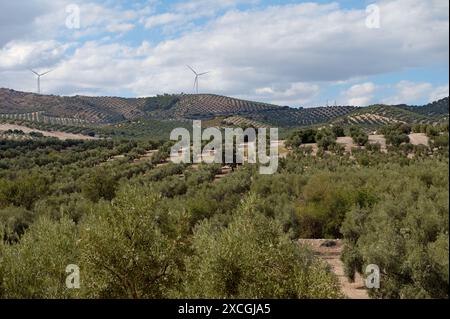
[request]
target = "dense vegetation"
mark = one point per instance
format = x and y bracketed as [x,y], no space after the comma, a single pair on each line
[142,228]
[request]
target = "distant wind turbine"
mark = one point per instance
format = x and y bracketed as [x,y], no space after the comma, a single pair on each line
[39,79]
[197,75]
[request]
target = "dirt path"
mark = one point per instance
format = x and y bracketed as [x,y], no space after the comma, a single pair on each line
[332,255]
[59,135]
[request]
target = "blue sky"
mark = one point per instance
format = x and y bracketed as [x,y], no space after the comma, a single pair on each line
[296,53]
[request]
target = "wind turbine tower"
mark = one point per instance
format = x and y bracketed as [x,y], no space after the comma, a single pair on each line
[39,79]
[197,75]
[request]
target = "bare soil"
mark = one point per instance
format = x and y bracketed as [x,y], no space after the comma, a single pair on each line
[347,142]
[332,256]
[373,139]
[59,135]
[418,139]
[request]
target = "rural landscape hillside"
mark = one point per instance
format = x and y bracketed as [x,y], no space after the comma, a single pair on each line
[72,164]
[83,110]
[224,158]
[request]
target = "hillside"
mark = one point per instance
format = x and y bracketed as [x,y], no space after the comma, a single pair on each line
[436,108]
[376,115]
[104,111]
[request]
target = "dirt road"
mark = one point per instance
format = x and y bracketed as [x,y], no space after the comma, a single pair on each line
[332,256]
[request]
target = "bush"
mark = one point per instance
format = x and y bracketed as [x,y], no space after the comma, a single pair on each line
[373,147]
[131,250]
[338,131]
[252,258]
[36,134]
[22,191]
[396,139]
[15,220]
[359,137]
[305,136]
[35,268]
[99,184]
[325,139]
[405,234]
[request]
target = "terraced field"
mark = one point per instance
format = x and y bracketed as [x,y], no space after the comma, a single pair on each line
[128,108]
[378,115]
[204,105]
[103,111]
[40,117]
[242,121]
[289,117]
[437,108]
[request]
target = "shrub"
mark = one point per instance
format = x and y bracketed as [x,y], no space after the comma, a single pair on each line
[253,258]
[131,250]
[325,139]
[99,184]
[359,137]
[35,268]
[405,234]
[15,220]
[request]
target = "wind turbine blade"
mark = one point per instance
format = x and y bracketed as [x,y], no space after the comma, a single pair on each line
[192,70]
[205,73]
[47,72]
[34,72]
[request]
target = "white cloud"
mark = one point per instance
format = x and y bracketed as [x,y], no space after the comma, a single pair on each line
[408,92]
[295,94]
[39,20]
[163,19]
[120,27]
[185,12]
[359,94]
[439,93]
[280,54]
[19,54]
[305,43]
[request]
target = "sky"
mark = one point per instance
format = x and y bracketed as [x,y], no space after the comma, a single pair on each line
[286,52]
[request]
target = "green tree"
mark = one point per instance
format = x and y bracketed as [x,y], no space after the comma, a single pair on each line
[254,258]
[325,139]
[36,266]
[131,250]
[99,184]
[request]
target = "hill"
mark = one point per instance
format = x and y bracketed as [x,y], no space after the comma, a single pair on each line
[433,109]
[110,111]
[376,115]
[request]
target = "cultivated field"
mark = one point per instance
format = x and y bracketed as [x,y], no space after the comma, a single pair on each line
[58,135]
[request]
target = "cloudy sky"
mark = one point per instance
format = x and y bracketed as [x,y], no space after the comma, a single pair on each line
[296,53]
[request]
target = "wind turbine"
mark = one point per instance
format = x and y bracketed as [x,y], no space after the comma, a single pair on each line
[39,79]
[197,75]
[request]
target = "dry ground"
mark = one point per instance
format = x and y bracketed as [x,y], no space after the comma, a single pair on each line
[347,142]
[332,256]
[373,139]
[59,135]
[418,139]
